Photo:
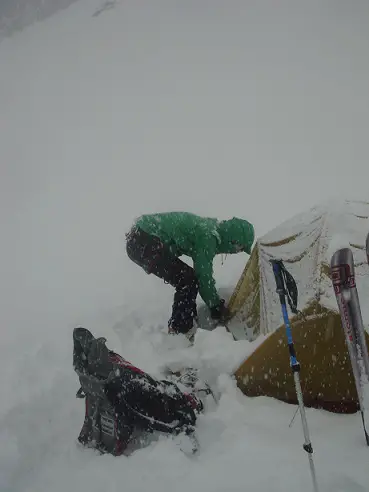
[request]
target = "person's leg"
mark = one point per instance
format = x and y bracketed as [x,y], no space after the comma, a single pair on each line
[182,277]
[152,255]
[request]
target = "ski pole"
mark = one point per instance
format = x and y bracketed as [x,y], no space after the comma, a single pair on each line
[282,278]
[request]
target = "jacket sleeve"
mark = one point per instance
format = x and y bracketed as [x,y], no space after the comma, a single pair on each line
[203,266]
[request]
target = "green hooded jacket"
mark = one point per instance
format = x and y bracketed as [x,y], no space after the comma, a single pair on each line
[200,238]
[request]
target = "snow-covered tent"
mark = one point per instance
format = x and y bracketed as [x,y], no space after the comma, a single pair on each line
[305,243]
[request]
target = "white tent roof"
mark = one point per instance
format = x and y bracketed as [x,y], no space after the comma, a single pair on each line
[306,243]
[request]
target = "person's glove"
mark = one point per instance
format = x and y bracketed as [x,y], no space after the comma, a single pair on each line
[220,312]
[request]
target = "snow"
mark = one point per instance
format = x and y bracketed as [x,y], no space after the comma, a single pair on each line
[253,110]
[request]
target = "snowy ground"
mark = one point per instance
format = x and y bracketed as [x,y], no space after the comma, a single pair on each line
[210,107]
[244,442]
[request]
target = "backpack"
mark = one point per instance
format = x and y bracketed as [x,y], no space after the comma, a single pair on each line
[111,420]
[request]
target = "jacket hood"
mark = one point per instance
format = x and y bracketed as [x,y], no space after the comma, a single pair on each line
[235,235]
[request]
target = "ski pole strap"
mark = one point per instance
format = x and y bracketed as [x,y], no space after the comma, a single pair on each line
[286,285]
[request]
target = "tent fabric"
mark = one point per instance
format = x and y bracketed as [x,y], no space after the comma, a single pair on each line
[305,243]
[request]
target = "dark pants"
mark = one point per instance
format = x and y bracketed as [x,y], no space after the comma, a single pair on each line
[154,257]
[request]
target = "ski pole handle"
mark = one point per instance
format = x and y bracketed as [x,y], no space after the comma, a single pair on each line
[281,290]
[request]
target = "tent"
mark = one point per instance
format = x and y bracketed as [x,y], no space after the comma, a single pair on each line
[305,243]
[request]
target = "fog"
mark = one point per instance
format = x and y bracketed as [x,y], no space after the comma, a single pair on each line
[15,15]
[221,108]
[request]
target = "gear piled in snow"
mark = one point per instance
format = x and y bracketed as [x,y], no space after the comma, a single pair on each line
[124,405]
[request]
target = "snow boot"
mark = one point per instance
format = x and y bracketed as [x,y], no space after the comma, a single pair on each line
[190,334]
